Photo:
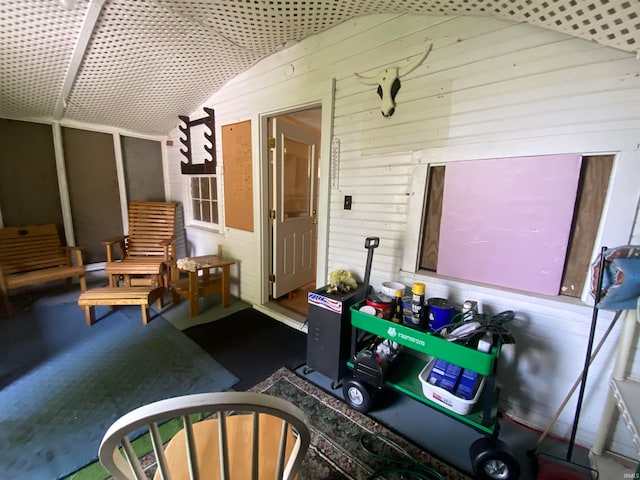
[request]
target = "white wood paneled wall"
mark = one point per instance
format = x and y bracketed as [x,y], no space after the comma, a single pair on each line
[489,88]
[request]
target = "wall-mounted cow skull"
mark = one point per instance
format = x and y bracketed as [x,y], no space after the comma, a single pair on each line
[388,81]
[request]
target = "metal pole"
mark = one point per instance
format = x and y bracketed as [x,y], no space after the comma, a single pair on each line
[577,382]
[587,361]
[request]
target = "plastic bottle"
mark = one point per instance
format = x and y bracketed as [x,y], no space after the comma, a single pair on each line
[417,305]
[397,314]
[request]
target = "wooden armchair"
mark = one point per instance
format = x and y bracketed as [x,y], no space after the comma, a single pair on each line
[147,249]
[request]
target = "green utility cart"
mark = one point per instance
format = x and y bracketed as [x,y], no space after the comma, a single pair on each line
[490,457]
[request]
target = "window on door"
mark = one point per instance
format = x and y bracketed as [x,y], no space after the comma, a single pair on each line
[296,173]
[204,201]
[526,223]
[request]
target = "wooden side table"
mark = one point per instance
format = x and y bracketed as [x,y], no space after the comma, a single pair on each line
[200,281]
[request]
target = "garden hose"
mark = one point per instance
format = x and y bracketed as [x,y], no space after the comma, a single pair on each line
[403,469]
[486,324]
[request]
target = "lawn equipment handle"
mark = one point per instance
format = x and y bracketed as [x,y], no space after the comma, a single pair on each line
[370,243]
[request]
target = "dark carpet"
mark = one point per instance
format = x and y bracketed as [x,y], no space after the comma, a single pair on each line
[251,345]
[64,383]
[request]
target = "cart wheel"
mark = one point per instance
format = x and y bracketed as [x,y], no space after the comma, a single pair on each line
[491,460]
[358,395]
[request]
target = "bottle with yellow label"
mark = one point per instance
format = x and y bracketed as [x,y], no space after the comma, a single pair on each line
[417,305]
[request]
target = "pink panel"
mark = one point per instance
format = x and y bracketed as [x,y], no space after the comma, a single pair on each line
[506,221]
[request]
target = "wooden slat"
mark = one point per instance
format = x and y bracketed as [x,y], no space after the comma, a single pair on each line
[158,448]
[192,453]
[594,182]
[108,293]
[139,265]
[132,458]
[433,215]
[282,449]
[17,280]
[255,436]
[224,448]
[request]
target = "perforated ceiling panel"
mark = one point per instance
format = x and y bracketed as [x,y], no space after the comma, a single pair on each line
[37,42]
[147,61]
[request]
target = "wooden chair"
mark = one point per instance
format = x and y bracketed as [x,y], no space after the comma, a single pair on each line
[248,436]
[146,250]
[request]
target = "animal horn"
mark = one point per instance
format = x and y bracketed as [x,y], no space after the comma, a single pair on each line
[368,80]
[411,66]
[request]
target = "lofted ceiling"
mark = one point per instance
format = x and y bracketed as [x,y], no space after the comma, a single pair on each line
[138,64]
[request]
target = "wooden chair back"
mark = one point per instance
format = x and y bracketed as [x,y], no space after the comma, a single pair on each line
[151,229]
[25,249]
[35,254]
[245,436]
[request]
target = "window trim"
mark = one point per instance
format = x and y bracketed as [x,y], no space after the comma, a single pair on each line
[616,224]
[586,208]
[190,220]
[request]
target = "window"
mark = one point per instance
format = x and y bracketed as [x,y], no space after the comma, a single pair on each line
[204,200]
[297,178]
[580,224]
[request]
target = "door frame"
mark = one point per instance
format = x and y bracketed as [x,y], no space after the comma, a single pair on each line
[302,229]
[324,186]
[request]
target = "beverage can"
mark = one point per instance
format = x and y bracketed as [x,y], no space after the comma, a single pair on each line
[441,312]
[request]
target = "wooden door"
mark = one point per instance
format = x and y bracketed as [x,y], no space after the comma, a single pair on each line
[295,224]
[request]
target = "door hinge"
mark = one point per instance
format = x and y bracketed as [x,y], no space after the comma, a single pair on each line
[272,142]
[272,278]
[272,214]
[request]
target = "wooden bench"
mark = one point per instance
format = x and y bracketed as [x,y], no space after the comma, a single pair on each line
[143,296]
[35,254]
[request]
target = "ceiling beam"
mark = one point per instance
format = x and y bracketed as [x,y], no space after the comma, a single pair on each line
[88,25]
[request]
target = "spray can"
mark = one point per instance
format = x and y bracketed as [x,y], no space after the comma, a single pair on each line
[417,305]
[469,310]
